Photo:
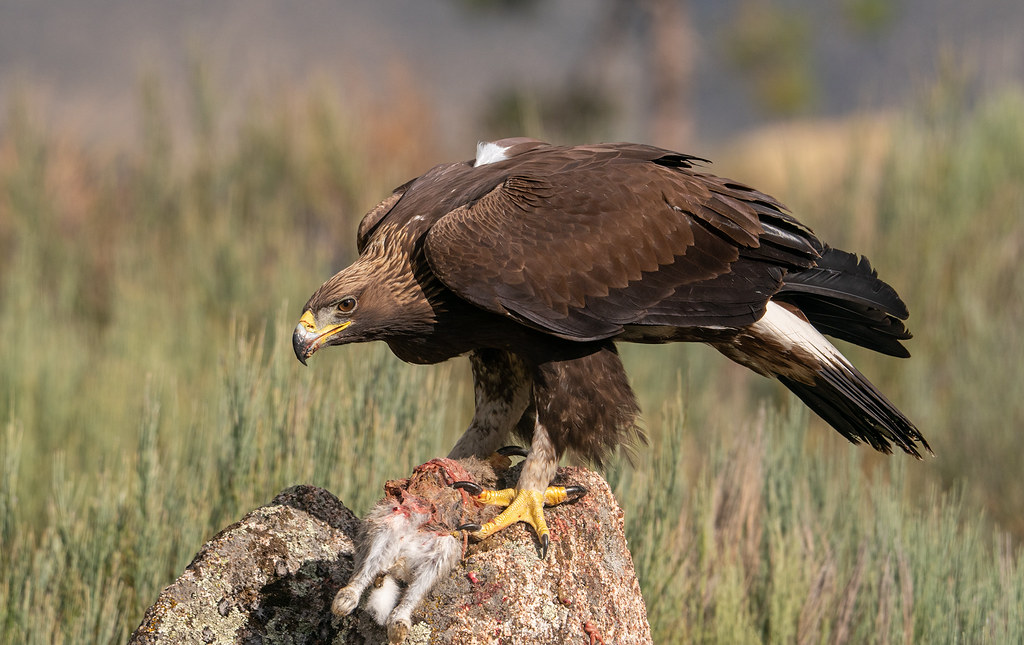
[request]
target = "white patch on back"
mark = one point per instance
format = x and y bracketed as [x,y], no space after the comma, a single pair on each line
[489,152]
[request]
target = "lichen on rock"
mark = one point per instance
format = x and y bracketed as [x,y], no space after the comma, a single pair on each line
[272,576]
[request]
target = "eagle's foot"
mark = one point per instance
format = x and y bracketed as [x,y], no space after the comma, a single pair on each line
[524,505]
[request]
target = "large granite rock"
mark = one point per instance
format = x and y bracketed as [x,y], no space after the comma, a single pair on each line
[272,576]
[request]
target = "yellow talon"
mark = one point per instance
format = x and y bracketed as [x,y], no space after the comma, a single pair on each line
[522,506]
[555,495]
[497,497]
[526,506]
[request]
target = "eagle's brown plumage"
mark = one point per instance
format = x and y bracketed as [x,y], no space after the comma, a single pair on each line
[535,259]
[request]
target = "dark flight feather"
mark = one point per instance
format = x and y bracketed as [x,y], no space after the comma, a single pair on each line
[842,296]
[841,275]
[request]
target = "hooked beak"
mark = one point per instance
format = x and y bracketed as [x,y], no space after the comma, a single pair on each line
[306,338]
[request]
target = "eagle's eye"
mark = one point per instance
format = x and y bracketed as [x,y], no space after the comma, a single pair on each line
[347,305]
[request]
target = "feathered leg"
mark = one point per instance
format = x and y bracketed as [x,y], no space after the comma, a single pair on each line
[501,385]
[583,404]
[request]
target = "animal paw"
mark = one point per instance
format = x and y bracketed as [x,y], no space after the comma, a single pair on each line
[398,630]
[344,602]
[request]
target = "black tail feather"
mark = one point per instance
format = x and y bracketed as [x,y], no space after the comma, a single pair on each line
[844,398]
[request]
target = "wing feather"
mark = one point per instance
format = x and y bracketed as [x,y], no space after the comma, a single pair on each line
[376,215]
[581,242]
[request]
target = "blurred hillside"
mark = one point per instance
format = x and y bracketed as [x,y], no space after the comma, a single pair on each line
[84,58]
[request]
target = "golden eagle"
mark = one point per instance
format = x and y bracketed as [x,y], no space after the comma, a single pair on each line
[535,259]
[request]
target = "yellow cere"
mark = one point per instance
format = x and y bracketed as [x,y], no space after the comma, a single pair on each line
[307,321]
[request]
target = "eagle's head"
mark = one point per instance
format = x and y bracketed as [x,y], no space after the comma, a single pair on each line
[376,298]
[345,309]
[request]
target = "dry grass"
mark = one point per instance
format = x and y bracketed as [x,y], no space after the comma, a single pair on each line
[147,297]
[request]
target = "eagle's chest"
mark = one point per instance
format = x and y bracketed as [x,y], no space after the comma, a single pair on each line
[457,328]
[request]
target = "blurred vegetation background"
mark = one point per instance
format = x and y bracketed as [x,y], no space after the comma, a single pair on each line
[148,395]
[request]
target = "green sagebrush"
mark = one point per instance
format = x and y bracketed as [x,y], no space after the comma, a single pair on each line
[146,382]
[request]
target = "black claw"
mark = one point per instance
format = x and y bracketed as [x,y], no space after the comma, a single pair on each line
[470,526]
[472,488]
[578,491]
[544,547]
[513,451]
